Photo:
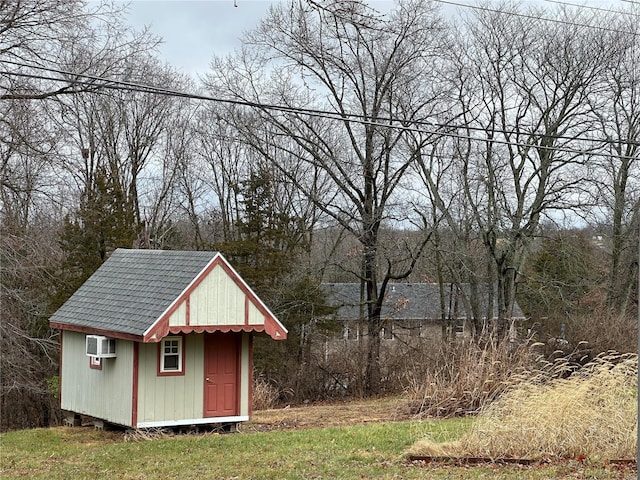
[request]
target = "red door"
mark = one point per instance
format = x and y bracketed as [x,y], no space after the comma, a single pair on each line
[221,375]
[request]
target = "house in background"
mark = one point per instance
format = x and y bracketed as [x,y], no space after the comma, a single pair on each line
[161,339]
[409,310]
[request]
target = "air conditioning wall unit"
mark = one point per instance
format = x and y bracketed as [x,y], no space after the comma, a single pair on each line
[100,346]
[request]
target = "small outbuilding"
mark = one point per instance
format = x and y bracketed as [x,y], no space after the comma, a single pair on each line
[158,338]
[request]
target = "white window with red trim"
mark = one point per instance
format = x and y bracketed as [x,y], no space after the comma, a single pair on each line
[171,356]
[95,363]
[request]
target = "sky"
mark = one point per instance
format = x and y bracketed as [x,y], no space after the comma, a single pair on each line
[195,30]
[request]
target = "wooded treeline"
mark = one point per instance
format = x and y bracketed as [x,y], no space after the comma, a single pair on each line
[493,147]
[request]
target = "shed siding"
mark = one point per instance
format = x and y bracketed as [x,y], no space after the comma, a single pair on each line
[179,317]
[217,300]
[171,398]
[245,375]
[256,317]
[106,393]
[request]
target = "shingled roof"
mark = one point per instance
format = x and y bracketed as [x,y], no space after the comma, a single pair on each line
[403,301]
[131,290]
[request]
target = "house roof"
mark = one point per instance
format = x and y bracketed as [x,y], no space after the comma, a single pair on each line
[134,290]
[405,301]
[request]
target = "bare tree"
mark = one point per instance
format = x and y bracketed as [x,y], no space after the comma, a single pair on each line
[28,363]
[44,43]
[460,260]
[616,174]
[523,85]
[224,159]
[43,46]
[29,143]
[136,136]
[364,69]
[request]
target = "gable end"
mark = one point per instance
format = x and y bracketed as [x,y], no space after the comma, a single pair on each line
[217,300]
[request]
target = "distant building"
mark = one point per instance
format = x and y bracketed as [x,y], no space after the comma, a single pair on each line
[409,310]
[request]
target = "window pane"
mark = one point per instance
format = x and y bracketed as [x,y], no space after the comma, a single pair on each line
[171,362]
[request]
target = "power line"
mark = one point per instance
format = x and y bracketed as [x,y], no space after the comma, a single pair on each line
[354,118]
[591,7]
[121,84]
[534,17]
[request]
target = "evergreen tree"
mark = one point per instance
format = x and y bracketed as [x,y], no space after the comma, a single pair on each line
[268,241]
[104,222]
[560,277]
[267,253]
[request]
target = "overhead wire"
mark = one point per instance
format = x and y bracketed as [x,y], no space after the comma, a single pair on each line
[535,17]
[121,84]
[386,122]
[591,7]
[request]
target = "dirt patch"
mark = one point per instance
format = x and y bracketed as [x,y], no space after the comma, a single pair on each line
[329,415]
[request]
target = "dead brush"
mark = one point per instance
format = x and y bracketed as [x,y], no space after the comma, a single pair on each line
[144,435]
[465,377]
[265,395]
[557,412]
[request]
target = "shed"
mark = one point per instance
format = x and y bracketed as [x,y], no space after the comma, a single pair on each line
[158,338]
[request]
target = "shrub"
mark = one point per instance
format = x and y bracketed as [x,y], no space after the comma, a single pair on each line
[605,331]
[265,395]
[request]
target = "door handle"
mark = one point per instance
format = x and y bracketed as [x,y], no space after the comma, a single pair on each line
[208,379]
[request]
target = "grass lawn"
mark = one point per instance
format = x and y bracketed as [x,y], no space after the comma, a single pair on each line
[372,450]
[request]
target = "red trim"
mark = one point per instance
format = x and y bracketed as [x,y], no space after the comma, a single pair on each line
[215,328]
[171,373]
[158,332]
[97,331]
[246,310]
[250,375]
[274,328]
[134,388]
[270,327]
[187,311]
[205,353]
[95,366]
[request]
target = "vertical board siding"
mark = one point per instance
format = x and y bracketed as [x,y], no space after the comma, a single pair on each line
[179,317]
[105,393]
[245,375]
[256,317]
[217,300]
[171,397]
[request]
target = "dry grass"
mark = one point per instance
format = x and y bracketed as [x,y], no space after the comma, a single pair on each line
[331,414]
[464,377]
[265,395]
[557,412]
